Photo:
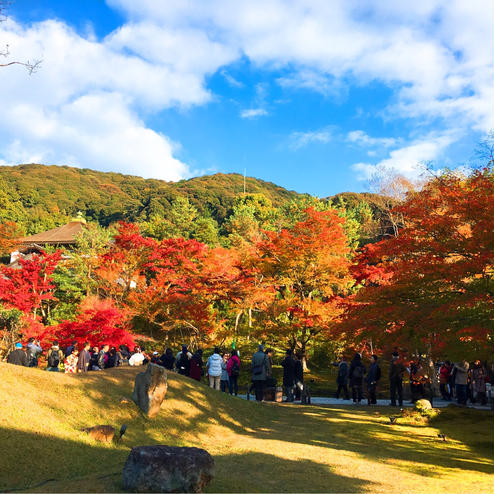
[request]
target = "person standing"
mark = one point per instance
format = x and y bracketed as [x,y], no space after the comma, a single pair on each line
[478,382]
[103,357]
[259,372]
[93,359]
[224,383]
[356,374]
[196,366]
[461,378]
[167,360]
[137,358]
[233,369]
[396,371]
[18,356]
[416,381]
[299,377]
[33,351]
[342,378]
[444,373]
[70,363]
[68,350]
[213,366]
[84,358]
[288,364]
[372,380]
[183,361]
[54,358]
[269,353]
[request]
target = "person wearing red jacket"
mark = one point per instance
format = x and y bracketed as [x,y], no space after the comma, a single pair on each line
[196,366]
[444,373]
[233,369]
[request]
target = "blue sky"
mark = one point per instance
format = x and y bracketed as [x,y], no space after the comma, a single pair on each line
[315,96]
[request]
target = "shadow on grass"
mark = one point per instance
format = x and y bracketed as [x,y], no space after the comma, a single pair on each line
[191,408]
[64,465]
[40,461]
[361,430]
[263,472]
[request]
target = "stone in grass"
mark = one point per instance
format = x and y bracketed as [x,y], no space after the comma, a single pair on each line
[423,405]
[150,389]
[167,469]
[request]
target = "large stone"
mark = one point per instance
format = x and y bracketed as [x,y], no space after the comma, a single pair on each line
[423,404]
[150,389]
[167,469]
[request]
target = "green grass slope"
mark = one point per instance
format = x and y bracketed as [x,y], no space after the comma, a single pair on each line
[257,447]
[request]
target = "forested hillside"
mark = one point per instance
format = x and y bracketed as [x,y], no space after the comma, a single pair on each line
[39,197]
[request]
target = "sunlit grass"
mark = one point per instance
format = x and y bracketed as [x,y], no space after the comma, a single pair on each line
[257,447]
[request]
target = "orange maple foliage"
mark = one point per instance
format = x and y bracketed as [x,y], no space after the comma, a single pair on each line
[308,267]
[431,288]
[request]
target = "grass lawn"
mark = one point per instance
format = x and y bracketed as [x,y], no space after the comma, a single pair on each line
[257,447]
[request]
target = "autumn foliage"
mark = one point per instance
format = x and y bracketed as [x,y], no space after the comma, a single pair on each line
[431,287]
[428,288]
[308,267]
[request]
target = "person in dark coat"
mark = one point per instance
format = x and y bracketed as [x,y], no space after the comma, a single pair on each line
[342,378]
[167,360]
[183,361]
[396,371]
[196,366]
[84,358]
[18,356]
[372,380]
[356,374]
[112,360]
[125,354]
[70,348]
[259,367]
[288,364]
[299,376]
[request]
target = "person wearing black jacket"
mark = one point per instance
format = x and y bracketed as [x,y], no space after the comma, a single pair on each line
[18,356]
[357,372]
[288,364]
[396,371]
[70,348]
[342,378]
[167,360]
[371,380]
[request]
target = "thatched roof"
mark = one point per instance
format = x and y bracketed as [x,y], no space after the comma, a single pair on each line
[63,235]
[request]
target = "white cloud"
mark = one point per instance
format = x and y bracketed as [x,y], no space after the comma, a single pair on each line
[314,81]
[253,113]
[362,139]
[301,139]
[407,160]
[231,80]
[435,58]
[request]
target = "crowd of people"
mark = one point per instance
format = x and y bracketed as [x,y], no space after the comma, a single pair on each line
[461,381]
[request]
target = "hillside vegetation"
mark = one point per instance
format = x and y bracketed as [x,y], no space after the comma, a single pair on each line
[257,447]
[40,196]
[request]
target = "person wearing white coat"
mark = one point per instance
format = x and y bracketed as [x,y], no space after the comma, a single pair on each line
[213,366]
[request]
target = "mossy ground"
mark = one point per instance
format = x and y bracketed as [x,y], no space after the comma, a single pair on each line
[257,447]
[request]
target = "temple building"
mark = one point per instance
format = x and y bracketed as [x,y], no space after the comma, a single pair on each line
[62,236]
